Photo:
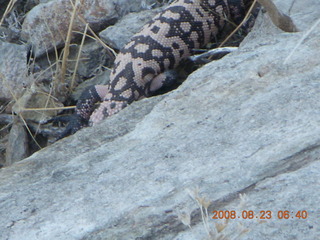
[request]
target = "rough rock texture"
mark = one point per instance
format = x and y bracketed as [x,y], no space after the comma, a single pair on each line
[35,98]
[101,78]
[120,33]
[245,124]
[17,147]
[36,30]
[2,10]
[13,70]
[93,58]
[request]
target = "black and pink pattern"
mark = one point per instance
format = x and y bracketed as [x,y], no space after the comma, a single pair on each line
[143,65]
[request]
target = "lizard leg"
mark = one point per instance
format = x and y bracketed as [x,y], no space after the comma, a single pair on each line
[84,108]
[89,98]
[163,80]
[110,106]
[107,108]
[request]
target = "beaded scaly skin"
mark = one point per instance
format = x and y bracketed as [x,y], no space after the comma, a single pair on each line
[145,64]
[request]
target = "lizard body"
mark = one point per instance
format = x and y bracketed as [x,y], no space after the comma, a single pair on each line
[144,64]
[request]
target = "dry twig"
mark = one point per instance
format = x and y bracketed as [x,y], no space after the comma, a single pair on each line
[281,20]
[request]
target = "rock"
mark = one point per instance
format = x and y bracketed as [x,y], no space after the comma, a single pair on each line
[35,98]
[45,20]
[120,33]
[93,58]
[6,119]
[4,136]
[2,10]
[100,79]
[9,35]
[247,123]
[17,146]
[13,70]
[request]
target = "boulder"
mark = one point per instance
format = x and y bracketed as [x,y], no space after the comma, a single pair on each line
[247,124]
[46,25]
[13,70]
[120,33]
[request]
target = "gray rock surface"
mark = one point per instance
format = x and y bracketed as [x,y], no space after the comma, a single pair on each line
[120,33]
[35,98]
[3,3]
[44,36]
[17,146]
[13,70]
[100,79]
[92,59]
[248,124]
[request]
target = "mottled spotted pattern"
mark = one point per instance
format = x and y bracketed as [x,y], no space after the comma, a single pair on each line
[142,65]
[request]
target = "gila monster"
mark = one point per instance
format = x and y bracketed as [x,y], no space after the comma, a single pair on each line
[145,64]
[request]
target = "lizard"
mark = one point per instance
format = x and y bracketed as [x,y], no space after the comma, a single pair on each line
[146,62]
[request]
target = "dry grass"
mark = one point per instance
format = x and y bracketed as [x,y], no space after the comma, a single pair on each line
[305,35]
[253,5]
[19,114]
[76,6]
[281,20]
[8,10]
[220,230]
[58,68]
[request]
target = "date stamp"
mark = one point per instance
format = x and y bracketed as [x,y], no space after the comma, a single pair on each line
[263,214]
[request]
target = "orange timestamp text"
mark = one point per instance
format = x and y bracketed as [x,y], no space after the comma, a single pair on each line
[267,214]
